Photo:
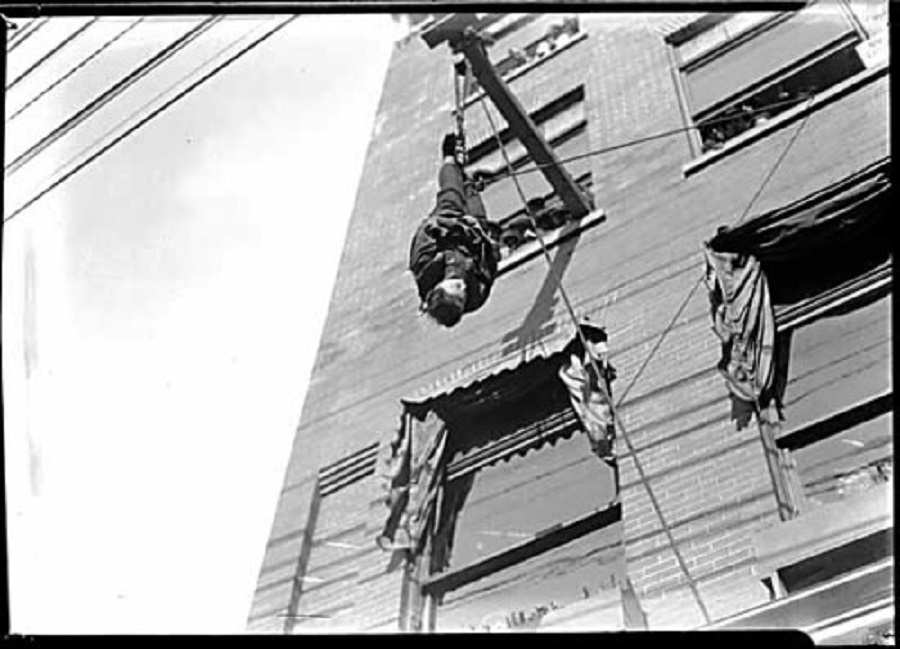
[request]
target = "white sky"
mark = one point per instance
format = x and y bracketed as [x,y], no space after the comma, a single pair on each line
[177,287]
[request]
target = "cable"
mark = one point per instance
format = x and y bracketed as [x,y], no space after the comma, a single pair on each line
[625,437]
[740,220]
[27,32]
[138,111]
[77,67]
[111,93]
[53,52]
[614,407]
[152,115]
[650,138]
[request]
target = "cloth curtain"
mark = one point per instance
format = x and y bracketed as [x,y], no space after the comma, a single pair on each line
[411,477]
[744,321]
[588,400]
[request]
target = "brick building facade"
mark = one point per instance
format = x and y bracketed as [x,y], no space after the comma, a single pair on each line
[728,495]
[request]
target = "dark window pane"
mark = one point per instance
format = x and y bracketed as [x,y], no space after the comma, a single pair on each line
[838,361]
[554,581]
[512,501]
[758,108]
[502,199]
[847,463]
[772,50]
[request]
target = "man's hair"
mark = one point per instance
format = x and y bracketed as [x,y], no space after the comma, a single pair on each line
[445,308]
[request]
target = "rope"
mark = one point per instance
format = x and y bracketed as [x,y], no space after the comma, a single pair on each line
[614,407]
[571,311]
[699,281]
[151,116]
[649,138]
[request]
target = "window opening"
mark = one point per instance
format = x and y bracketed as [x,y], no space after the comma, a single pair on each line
[739,71]
[557,37]
[525,525]
[563,124]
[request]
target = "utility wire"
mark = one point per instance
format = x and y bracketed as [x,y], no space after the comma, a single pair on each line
[650,138]
[77,67]
[111,93]
[27,32]
[152,115]
[234,43]
[53,52]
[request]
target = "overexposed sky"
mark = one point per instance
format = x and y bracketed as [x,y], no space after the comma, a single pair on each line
[167,303]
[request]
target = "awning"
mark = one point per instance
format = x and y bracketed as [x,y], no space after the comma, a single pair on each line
[858,200]
[486,376]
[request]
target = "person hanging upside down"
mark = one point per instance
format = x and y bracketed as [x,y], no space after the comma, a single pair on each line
[454,252]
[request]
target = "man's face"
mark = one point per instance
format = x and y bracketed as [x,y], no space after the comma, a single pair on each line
[454,287]
[597,349]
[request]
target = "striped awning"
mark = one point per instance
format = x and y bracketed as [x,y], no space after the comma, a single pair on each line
[488,377]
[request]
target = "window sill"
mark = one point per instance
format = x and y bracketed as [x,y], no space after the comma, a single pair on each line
[789,116]
[528,67]
[532,249]
[824,528]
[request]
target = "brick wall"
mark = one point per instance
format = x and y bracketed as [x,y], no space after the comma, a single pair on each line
[632,273]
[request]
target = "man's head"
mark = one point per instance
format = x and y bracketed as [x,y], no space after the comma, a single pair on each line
[447,301]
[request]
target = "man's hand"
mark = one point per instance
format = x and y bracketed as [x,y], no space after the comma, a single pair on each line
[452,147]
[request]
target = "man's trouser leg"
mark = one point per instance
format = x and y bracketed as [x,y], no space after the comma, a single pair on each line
[451,196]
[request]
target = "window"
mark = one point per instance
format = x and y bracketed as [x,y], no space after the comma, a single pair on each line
[336,548]
[503,25]
[825,292]
[838,400]
[525,522]
[812,331]
[564,126]
[737,72]
[532,46]
[508,517]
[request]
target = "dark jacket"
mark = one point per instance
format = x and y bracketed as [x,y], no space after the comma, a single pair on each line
[450,247]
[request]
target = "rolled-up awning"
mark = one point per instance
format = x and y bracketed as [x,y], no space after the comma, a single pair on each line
[856,201]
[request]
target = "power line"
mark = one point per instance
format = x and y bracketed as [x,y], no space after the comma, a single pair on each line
[27,32]
[152,115]
[111,93]
[77,67]
[53,52]
[143,107]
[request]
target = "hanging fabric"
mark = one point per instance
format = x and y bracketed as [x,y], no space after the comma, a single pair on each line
[744,321]
[411,478]
[579,373]
[753,360]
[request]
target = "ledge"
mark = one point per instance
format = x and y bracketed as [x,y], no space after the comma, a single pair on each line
[817,609]
[824,528]
[787,117]
[532,249]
